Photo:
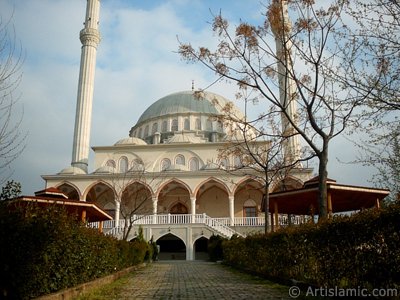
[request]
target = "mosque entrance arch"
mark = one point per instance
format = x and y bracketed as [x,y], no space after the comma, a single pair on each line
[171,247]
[201,249]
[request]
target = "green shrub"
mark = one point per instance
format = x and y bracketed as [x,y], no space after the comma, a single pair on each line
[361,250]
[215,248]
[44,250]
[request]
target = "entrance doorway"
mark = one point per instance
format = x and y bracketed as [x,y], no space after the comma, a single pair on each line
[201,249]
[171,248]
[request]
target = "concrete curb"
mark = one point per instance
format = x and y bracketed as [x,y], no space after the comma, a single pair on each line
[76,291]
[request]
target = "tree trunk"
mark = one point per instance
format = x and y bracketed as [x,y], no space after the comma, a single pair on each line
[322,184]
[266,206]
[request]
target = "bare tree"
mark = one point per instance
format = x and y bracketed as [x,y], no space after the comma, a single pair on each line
[307,57]
[135,197]
[376,36]
[261,148]
[12,140]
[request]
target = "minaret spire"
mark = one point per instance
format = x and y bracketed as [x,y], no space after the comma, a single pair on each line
[281,28]
[90,38]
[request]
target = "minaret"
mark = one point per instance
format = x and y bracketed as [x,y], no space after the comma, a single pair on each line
[90,38]
[281,26]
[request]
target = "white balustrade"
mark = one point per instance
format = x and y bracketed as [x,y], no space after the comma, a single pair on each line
[222,225]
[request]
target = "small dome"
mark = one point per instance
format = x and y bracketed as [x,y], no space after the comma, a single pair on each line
[72,171]
[130,141]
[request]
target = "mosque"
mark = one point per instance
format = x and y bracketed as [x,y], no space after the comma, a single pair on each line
[167,176]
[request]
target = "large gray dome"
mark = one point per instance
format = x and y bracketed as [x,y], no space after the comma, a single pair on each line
[188,112]
[184,102]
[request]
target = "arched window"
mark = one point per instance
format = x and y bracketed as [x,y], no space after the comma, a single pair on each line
[250,209]
[186,124]
[220,126]
[146,131]
[224,163]
[164,127]
[154,128]
[197,124]
[165,164]
[193,164]
[209,125]
[140,133]
[123,164]
[237,162]
[110,163]
[180,160]
[174,126]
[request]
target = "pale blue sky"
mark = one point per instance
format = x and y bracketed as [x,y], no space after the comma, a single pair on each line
[137,64]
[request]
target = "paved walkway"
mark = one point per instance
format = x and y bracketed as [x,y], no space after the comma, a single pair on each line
[195,280]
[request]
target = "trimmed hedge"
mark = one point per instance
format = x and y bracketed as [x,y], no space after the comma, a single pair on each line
[362,250]
[43,250]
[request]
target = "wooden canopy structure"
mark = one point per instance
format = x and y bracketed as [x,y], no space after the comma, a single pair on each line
[341,198]
[85,211]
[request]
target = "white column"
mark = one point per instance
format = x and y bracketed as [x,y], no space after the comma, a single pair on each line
[90,38]
[232,210]
[189,244]
[117,209]
[155,202]
[193,207]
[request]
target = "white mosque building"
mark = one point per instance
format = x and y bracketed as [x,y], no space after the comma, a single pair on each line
[167,176]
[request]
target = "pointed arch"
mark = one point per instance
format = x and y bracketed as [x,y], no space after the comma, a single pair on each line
[70,189]
[247,180]
[173,180]
[89,187]
[286,184]
[210,179]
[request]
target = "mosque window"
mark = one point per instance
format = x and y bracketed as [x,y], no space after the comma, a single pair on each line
[186,124]
[237,161]
[146,131]
[165,164]
[123,164]
[164,126]
[194,164]
[220,126]
[224,163]
[180,160]
[140,133]
[174,126]
[250,209]
[209,125]
[197,124]
[154,128]
[110,163]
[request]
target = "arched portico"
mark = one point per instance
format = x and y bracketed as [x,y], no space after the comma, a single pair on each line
[174,197]
[103,195]
[212,198]
[248,198]
[171,247]
[70,190]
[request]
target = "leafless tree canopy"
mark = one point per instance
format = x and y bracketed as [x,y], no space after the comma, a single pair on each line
[12,139]
[314,54]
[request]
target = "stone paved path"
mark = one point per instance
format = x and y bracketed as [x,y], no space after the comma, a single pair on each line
[195,280]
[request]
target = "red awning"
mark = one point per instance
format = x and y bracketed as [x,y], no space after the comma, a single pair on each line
[343,198]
